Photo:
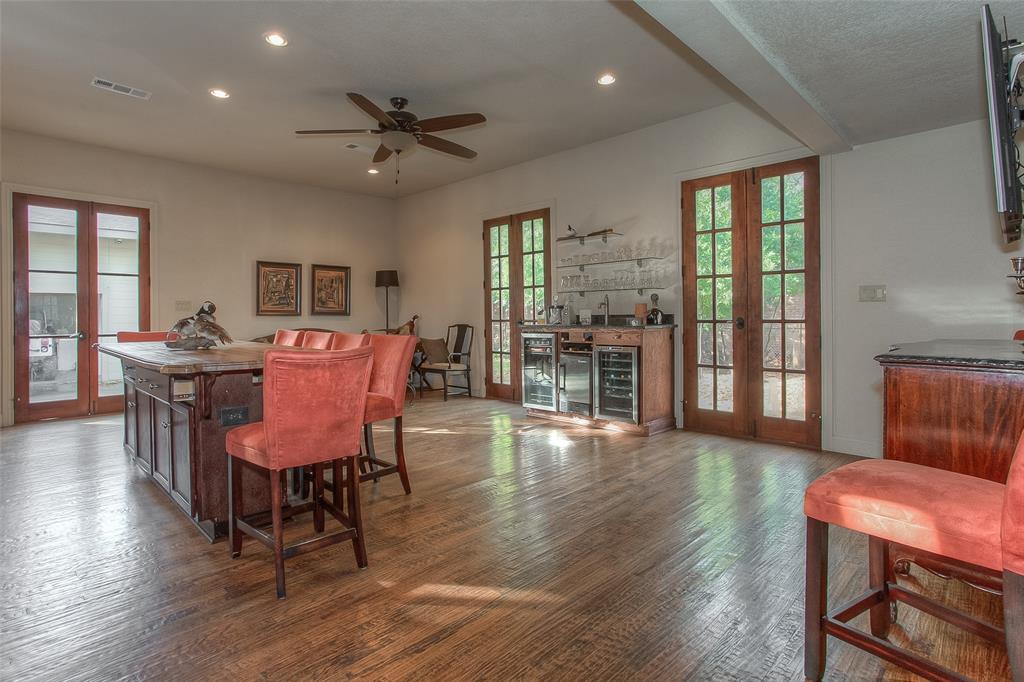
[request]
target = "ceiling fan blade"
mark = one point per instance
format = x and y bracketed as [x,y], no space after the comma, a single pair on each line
[381,154]
[372,109]
[433,125]
[445,146]
[360,131]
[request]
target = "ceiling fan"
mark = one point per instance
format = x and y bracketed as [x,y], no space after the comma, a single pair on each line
[401,130]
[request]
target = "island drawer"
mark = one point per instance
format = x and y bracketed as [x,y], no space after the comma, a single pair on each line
[624,337]
[155,384]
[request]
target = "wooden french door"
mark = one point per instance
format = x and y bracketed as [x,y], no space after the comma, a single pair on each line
[81,274]
[751,300]
[517,286]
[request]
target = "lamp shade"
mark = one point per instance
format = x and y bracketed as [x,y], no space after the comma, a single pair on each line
[387,278]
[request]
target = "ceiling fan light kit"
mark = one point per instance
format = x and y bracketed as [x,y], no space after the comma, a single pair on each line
[401,130]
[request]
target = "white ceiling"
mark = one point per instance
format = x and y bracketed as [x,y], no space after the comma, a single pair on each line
[874,69]
[528,66]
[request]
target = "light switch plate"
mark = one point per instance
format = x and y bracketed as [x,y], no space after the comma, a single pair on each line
[872,293]
[183,306]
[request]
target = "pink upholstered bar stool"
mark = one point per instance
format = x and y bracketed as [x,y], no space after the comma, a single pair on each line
[288,337]
[317,340]
[971,524]
[392,356]
[312,405]
[346,341]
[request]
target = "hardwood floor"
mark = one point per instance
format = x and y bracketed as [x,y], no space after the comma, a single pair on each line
[526,550]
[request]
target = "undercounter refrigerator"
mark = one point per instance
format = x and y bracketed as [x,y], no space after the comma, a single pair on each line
[540,374]
[615,383]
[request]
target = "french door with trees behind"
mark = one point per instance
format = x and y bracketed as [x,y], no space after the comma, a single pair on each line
[751,301]
[517,286]
[81,274]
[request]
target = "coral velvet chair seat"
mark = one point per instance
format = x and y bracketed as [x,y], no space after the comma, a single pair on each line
[967,522]
[313,404]
[289,337]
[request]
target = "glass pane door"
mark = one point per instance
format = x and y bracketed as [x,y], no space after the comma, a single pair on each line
[499,293]
[714,293]
[117,271]
[81,276]
[785,376]
[751,322]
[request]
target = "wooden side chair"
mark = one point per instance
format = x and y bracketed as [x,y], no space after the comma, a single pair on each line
[459,341]
[971,524]
[313,406]
[288,337]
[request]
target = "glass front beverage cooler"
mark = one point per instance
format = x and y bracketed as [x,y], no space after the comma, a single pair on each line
[539,373]
[615,383]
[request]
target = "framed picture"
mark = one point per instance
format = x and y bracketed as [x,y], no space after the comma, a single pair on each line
[278,288]
[330,287]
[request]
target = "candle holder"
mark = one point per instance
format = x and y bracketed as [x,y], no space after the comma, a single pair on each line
[1017,263]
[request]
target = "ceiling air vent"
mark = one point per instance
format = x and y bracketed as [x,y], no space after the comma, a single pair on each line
[119,88]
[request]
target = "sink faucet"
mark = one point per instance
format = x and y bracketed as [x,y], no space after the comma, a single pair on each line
[604,305]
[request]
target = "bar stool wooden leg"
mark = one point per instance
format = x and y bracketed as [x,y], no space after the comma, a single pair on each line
[371,453]
[400,455]
[1013,617]
[879,573]
[354,513]
[235,502]
[338,483]
[276,500]
[816,603]
[318,498]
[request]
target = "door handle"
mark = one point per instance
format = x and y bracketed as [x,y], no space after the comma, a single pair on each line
[740,323]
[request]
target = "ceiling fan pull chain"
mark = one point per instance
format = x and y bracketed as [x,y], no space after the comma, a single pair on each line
[398,156]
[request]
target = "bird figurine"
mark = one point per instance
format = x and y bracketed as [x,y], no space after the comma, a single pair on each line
[571,230]
[409,328]
[199,331]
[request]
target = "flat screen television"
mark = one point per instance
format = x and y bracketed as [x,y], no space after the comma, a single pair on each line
[1004,117]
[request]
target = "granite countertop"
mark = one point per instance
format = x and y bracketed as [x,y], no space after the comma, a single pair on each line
[980,353]
[154,355]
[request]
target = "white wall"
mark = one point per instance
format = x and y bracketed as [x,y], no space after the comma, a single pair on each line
[914,213]
[209,227]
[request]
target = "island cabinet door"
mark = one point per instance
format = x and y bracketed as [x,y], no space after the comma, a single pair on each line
[131,420]
[144,432]
[162,444]
[181,467]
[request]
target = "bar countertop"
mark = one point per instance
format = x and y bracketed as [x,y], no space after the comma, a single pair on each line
[964,353]
[589,327]
[234,357]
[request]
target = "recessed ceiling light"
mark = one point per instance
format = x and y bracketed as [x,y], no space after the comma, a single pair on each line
[373,171]
[275,39]
[606,79]
[220,94]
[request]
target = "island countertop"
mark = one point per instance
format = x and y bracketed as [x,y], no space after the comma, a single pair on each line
[239,356]
[965,353]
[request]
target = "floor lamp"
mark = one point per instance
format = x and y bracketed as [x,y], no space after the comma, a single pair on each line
[387,279]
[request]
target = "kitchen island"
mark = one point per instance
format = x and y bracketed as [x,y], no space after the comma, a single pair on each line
[614,376]
[179,404]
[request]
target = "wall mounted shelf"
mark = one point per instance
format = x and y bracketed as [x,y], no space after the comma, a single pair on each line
[582,239]
[639,262]
[583,292]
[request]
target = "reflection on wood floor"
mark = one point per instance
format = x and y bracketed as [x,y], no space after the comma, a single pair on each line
[526,550]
